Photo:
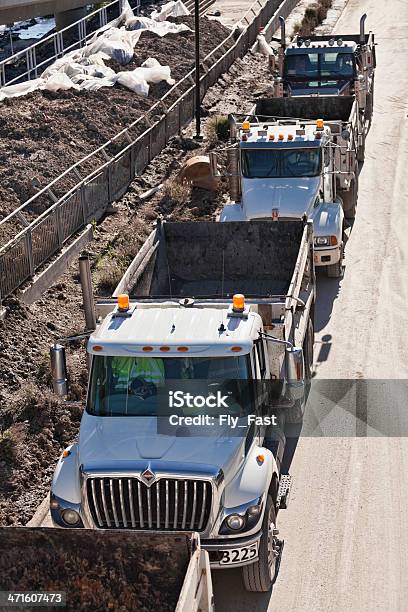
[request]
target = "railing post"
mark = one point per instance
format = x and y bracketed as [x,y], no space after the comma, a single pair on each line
[83,204]
[29,247]
[57,217]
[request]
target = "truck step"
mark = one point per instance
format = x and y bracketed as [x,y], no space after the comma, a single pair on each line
[283,492]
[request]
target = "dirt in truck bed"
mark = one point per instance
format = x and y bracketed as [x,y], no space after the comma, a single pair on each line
[42,134]
[97,571]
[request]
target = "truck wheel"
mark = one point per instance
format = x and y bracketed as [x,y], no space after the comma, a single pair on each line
[294,415]
[260,576]
[337,270]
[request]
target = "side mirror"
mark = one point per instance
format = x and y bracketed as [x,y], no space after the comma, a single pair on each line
[59,370]
[295,373]
[345,135]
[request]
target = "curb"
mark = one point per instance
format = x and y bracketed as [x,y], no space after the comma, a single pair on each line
[40,513]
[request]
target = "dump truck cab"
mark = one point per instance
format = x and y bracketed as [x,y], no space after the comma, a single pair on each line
[285,169]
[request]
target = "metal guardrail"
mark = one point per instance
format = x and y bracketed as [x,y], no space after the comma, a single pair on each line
[89,198]
[30,62]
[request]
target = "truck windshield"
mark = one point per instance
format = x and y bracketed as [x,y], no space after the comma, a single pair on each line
[280,163]
[142,386]
[317,66]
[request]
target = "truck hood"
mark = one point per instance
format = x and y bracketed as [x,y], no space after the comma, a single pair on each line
[291,196]
[111,443]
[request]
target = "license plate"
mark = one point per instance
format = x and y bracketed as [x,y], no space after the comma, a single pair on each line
[237,555]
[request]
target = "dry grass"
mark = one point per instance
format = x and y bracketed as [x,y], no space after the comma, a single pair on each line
[217,129]
[313,17]
[176,192]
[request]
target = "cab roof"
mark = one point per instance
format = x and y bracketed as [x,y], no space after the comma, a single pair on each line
[204,331]
[294,135]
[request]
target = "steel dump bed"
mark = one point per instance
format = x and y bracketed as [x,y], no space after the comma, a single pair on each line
[329,108]
[215,260]
[106,570]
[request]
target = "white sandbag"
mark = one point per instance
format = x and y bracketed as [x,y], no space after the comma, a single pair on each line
[117,43]
[70,58]
[170,9]
[59,82]
[263,46]
[154,72]
[21,89]
[133,80]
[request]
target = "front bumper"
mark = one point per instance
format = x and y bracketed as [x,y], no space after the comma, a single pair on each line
[216,547]
[327,256]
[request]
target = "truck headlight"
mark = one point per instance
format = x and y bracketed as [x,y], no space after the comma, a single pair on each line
[235,521]
[325,241]
[70,517]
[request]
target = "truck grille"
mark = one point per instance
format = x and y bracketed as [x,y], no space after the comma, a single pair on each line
[127,503]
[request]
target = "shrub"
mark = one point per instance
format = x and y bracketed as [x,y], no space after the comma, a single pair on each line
[217,129]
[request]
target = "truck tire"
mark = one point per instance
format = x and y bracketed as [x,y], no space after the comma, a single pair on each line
[337,270]
[294,415]
[260,576]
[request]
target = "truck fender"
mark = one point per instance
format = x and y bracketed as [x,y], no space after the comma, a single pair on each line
[253,480]
[328,220]
[65,483]
[232,212]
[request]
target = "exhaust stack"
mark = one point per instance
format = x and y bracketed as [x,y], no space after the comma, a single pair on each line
[87,292]
[58,370]
[283,31]
[233,173]
[362,32]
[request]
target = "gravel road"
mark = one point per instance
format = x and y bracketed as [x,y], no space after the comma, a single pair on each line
[345,529]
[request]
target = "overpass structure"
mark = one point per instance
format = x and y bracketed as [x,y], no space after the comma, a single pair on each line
[65,11]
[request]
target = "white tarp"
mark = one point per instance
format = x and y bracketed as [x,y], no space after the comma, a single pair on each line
[138,80]
[170,9]
[85,68]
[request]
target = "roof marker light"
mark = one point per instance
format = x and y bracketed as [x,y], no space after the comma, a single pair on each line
[290,136]
[147,349]
[123,302]
[97,348]
[280,136]
[340,42]
[165,349]
[236,349]
[331,42]
[271,136]
[307,43]
[238,303]
[182,349]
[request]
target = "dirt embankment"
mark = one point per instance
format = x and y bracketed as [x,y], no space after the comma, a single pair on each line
[42,134]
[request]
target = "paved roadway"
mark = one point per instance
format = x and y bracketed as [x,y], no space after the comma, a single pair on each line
[346,529]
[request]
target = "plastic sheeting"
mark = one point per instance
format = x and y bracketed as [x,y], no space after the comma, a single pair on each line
[138,80]
[85,68]
[170,9]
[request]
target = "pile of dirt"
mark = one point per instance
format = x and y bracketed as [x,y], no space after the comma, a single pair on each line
[44,133]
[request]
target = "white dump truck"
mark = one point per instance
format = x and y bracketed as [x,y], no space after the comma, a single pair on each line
[329,65]
[193,379]
[291,157]
[87,570]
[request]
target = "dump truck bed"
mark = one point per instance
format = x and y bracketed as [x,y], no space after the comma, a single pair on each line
[330,108]
[208,259]
[103,570]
